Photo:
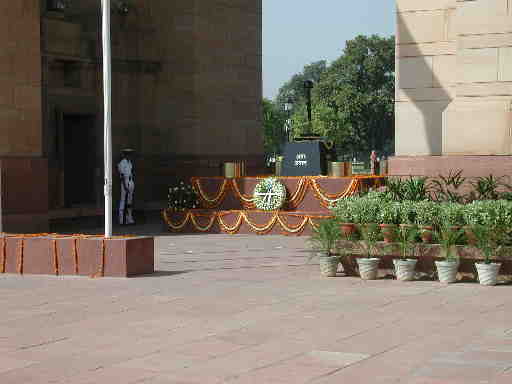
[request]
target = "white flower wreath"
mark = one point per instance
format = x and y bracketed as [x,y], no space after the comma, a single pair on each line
[269,194]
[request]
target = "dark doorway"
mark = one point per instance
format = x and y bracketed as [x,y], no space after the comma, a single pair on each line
[80,145]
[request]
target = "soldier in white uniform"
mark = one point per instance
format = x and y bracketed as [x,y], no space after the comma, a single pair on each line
[125,169]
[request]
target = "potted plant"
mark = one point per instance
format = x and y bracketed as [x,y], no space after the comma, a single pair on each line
[427,218]
[388,219]
[366,211]
[369,264]
[343,211]
[448,238]
[487,241]
[453,215]
[407,213]
[406,265]
[323,240]
[477,213]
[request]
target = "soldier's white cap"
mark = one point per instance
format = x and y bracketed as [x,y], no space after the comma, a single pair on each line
[127,150]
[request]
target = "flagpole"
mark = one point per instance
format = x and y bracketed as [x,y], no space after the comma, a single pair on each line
[107,100]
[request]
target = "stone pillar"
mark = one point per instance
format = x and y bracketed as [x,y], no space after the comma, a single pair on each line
[479,120]
[24,170]
[454,93]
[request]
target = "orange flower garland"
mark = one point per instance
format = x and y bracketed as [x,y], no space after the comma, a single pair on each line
[55,257]
[293,201]
[4,253]
[21,244]
[242,217]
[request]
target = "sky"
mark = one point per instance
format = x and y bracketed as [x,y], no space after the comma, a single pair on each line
[299,32]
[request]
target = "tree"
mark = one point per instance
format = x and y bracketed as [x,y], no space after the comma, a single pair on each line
[354,99]
[294,88]
[273,127]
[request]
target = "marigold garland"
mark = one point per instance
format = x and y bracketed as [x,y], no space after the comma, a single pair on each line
[293,201]
[55,257]
[21,244]
[4,253]
[75,254]
[243,217]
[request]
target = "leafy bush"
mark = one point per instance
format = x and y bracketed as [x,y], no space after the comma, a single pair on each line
[452,214]
[369,238]
[427,213]
[448,238]
[449,188]
[344,210]
[478,213]
[408,212]
[406,240]
[325,236]
[416,189]
[182,197]
[366,210]
[389,213]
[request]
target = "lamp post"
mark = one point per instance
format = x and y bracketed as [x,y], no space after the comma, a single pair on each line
[288,106]
[308,86]
[107,110]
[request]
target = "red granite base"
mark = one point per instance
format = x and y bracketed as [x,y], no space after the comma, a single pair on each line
[77,255]
[472,166]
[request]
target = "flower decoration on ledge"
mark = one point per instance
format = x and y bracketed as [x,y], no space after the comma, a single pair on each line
[269,194]
[182,197]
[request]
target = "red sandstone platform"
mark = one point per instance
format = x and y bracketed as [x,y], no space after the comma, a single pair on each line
[229,207]
[94,256]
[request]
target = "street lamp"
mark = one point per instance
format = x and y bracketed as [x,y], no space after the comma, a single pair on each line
[308,86]
[288,106]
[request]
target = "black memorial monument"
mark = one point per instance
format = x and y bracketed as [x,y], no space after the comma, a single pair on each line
[307,155]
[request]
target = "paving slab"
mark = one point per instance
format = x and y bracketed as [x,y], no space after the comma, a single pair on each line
[250,309]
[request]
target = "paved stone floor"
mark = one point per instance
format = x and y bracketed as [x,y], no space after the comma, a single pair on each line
[248,309]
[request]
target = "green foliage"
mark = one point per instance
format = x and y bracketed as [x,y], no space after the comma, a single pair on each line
[406,241]
[325,236]
[389,212]
[415,189]
[487,188]
[487,241]
[408,212]
[294,88]
[448,238]
[412,189]
[452,214]
[353,99]
[449,188]
[181,197]
[366,210]
[427,213]
[344,210]
[273,127]
[370,236]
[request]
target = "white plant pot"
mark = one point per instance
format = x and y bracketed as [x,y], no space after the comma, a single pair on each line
[405,269]
[329,265]
[447,271]
[488,273]
[368,268]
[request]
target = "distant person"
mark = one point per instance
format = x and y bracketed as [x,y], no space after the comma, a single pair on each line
[126,174]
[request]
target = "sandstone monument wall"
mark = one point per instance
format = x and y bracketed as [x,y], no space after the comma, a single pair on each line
[186,88]
[454,86]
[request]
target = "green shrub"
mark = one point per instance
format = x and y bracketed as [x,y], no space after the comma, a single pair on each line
[408,212]
[325,236]
[389,213]
[344,210]
[452,214]
[366,210]
[427,213]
